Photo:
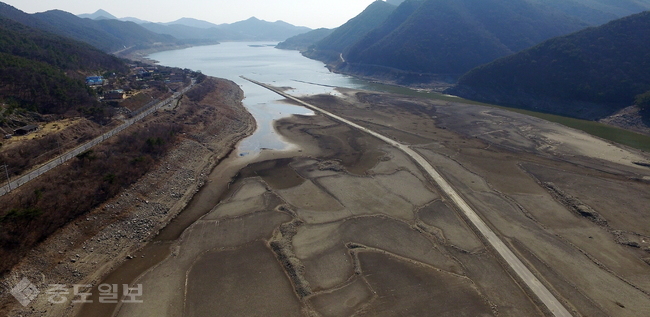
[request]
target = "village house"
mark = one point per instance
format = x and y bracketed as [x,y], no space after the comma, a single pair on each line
[114,95]
[26,130]
[176,78]
[95,81]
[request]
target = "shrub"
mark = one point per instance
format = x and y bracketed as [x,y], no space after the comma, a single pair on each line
[643,100]
[93,177]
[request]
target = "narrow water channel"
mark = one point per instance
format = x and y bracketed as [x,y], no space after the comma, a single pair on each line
[262,62]
[232,60]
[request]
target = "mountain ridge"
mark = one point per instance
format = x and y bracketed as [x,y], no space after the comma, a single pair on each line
[191,22]
[302,42]
[589,74]
[44,72]
[329,48]
[432,43]
[191,29]
[97,15]
[447,38]
[251,29]
[107,35]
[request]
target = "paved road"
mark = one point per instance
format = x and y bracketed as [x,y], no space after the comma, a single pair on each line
[84,147]
[545,296]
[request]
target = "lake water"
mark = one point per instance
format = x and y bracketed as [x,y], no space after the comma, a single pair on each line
[262,62]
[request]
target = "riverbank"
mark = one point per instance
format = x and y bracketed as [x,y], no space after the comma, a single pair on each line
[90,247]
[350,226]
[502,163]
[141,55]
[345,225]
[628,126]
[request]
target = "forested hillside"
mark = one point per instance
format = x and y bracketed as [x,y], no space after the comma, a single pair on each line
[392,22]
[329,48]
[597,12]
[106,35]
[589,74]
[453,36]
[303,41]
[43,72]
[427,42]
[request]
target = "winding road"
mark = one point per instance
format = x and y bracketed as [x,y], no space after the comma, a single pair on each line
[517,266]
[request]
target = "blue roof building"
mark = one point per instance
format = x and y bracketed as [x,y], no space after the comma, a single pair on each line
[95,80]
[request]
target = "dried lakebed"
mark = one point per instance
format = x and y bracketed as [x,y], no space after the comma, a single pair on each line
[350,226]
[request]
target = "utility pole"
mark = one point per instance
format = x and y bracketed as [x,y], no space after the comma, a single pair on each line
[59,144]
[8,179]
[60,150]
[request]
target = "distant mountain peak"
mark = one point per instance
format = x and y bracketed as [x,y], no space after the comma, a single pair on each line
[98,15]
[104,13]
[134,20]
[282,22]
[195,23]
[252,29]
[395,2]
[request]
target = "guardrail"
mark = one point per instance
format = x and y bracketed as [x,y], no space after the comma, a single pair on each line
[143,108]
[22,180]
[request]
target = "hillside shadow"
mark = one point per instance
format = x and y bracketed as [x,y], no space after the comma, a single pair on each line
[645,116]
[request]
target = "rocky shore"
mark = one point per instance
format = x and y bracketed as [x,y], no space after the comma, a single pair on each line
[88,248]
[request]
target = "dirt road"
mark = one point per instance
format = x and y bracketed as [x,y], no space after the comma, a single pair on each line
[544,295]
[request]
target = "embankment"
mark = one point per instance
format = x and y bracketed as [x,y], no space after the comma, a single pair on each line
[211,120]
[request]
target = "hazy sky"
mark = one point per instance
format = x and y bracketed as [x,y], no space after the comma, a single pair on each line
[310,13]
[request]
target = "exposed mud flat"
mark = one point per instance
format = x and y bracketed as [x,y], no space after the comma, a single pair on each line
[348,226]
[309,211]
[500,162]
[241,282]
[90,247]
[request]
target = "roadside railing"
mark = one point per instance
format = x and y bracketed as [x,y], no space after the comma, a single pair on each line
[59,160]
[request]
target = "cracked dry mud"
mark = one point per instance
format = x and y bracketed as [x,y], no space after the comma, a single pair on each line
[334,234]
[351,227]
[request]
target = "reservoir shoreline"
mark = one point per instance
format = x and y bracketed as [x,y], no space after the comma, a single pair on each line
[92,246]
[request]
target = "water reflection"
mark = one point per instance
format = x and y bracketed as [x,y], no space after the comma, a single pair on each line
[262,62]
